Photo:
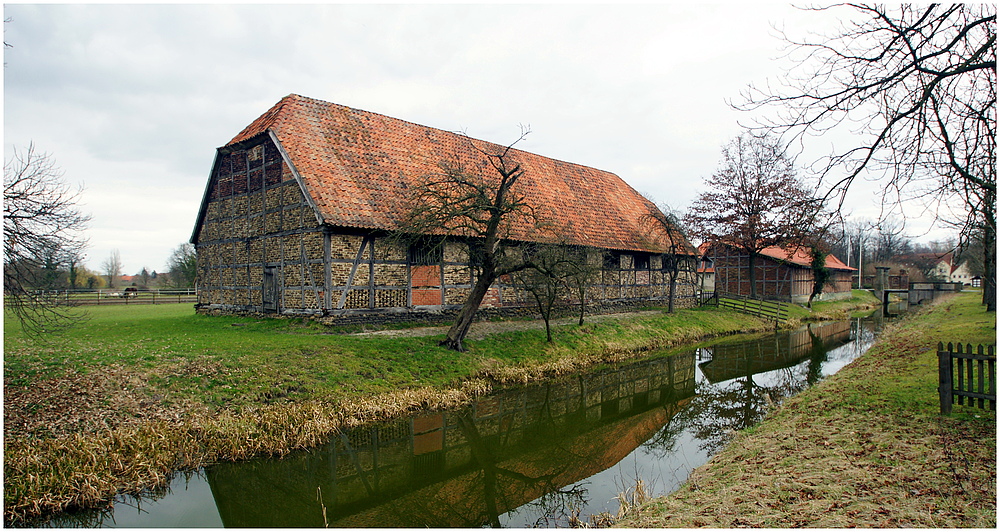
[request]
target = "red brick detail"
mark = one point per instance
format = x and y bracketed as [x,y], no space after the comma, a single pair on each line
[492,298]
[426,296]
[428,423]
[428,442]
[425,276]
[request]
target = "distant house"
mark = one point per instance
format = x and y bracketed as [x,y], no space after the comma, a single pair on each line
[706,270]
[938,266]
[782,273]
[299,210]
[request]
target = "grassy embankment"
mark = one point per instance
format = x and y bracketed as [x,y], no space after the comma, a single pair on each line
[866,447]
[137,392]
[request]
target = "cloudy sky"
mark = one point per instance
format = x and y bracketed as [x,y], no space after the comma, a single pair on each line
[132,100]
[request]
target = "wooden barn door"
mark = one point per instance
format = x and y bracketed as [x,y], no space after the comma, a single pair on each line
[270,290]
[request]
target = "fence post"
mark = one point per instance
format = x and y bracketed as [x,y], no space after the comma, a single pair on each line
[981,378]
[993,377]
[944,378]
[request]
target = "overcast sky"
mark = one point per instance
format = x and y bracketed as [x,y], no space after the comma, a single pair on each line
[132,100]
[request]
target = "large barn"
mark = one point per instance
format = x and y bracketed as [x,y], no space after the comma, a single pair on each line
[302,206]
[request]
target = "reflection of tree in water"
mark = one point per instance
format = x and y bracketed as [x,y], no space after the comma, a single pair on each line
[664,442]
[719,410]
[557,507]
[494,496]
[501,485]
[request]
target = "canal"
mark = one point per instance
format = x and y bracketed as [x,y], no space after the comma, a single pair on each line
[535,456]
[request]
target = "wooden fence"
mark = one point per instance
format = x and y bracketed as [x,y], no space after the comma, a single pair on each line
[120,297]
[772,310]
[965,374]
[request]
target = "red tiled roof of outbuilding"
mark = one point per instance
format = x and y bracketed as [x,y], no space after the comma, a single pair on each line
[800,256]
[358,167]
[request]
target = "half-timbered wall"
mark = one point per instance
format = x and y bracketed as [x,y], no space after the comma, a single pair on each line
[774,279]
[260,245]
[261,248]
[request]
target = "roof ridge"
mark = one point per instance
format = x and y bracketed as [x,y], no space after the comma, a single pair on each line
[328,104]
[263,122]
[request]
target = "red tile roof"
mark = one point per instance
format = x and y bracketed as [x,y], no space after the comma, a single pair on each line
[800,256]
[358,167]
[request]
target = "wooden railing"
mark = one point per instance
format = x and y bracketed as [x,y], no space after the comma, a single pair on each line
[106,296]
[964,374]
[772,310]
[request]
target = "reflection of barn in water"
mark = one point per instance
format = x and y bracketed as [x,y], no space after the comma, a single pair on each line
[730,361]
[462,468]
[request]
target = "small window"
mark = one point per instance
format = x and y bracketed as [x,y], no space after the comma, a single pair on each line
[612,261]
[476,253]
[425,253]
[641,261]
[255,153]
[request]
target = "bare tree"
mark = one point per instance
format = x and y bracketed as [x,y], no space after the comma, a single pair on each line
[666,230]
[584,271]
[41,222]
[482,204]
[183,265]
[112,268]
[754,201]
[551,266]
[890,240]
[915,87]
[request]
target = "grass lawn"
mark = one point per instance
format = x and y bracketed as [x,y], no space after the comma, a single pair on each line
[860,301]
[866,447]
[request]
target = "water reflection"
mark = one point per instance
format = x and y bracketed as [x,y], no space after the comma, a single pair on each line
[528,456]
[742,379]
[464,468]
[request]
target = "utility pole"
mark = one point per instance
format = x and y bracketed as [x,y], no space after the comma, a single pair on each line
[860,263]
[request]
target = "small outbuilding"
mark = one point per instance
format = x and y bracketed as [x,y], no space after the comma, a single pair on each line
[782,273]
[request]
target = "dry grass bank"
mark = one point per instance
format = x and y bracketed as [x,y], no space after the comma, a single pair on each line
[864,448]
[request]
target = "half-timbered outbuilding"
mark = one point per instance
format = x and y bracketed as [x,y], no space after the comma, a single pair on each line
[300,210]
[782,273]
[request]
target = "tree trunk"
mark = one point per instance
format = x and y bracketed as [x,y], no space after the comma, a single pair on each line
[989,269]
[670,299]
[456,335]
[752,262]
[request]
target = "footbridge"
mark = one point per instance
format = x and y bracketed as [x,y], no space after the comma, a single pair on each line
[916,292]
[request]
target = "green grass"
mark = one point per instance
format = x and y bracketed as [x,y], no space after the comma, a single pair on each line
[230,362]
[866,447]
[136,392]
[860,300]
